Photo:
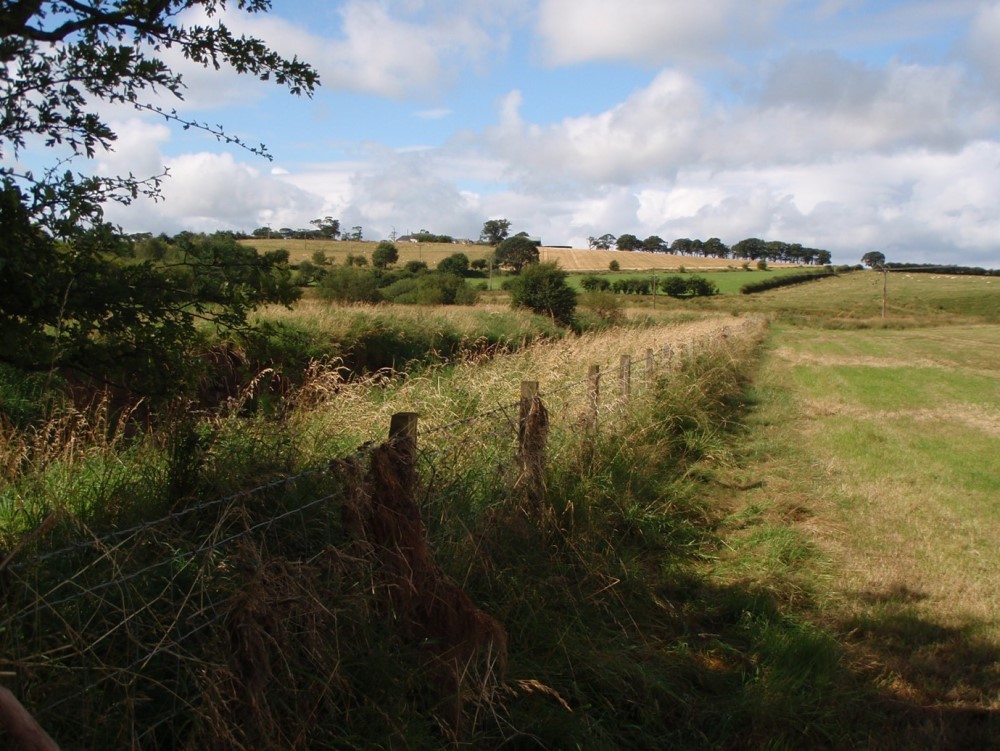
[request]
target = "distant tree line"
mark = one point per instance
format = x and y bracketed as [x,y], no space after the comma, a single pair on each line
[750,249]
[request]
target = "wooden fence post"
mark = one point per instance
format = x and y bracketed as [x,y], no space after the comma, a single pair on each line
[668,355]
[533,433]
[403,439]
[594,393]
[626,376]
[650,366]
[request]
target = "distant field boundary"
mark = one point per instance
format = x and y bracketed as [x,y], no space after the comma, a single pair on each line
[570,259]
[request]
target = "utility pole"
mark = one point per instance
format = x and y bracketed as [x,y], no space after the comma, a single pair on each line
[885,287]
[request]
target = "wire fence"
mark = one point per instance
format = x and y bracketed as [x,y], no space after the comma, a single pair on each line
[135,637]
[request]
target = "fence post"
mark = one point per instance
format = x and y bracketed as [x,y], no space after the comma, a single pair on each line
[626,376]
[594,393]
[533,433]
[668,355]
[403,439]
[650,366]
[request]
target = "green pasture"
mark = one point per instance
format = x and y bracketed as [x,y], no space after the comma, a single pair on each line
[911,299]
[728,282]
[876,456]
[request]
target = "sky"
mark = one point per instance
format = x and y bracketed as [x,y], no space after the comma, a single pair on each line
[845,125]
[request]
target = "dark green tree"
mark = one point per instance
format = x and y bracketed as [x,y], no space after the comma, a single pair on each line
[628,242]
[653,244]
[456,263]
[415,267]
[516,252]
[384,255]
[674,286]
[542,287]
[495,231]
[873,259]
[604,242]
[327,227]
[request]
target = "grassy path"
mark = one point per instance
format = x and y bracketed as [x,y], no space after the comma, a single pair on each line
[868,497]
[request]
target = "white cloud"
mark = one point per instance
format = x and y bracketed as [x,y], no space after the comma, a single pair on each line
[203,191]
[983,42]
[438,113]
[654,130]
[650,31]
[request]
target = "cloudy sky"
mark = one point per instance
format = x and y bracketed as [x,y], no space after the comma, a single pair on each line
[848,125]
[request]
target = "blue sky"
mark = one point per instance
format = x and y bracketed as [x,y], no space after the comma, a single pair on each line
[849,125]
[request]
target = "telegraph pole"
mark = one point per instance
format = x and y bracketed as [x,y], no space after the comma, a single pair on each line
[885,287]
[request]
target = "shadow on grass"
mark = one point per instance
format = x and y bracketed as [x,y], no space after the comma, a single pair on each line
[939,686]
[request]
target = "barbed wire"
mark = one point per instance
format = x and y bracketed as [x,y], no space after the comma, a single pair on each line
[153,566]
[125,534]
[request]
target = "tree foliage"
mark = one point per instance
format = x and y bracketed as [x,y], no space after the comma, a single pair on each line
[81,297]
[516,252]
[327,227]
[873,259]
[542,287]
[604,242]
[456,263]
[628,242]
[495,231]
[94,307]
[385,254]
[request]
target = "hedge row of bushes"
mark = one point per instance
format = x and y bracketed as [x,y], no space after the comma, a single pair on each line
[360,284]
[784,281]
[674,286]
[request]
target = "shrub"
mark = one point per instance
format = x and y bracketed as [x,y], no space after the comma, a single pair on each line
[350,284]
[542,287]
[699,286]
[385,254]
[604,305]
[674,286]
[431,289]
[694,286]
[614,266]
[415,267]
[456,263]
[593,283]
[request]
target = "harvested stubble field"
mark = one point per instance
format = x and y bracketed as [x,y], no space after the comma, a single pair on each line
[570,259]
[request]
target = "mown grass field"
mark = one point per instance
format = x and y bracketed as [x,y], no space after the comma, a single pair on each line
[866,493]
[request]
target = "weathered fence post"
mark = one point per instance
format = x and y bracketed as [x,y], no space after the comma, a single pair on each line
[403,439]
[650,366]
[626,376]
[594,394]
[533,432]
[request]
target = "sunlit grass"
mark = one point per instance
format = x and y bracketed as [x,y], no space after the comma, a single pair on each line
[886,479]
